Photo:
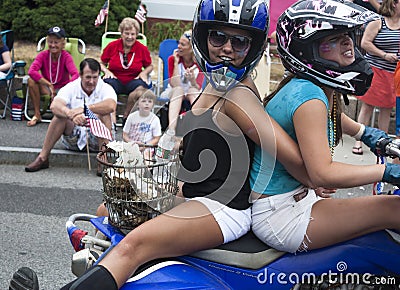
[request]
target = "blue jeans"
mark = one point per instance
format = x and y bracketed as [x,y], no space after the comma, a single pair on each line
[121,89]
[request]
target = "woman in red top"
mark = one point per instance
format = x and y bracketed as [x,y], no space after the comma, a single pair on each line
[122,63]
[185,79]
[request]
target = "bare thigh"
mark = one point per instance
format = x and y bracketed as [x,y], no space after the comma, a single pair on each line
[337,220]
[186,228]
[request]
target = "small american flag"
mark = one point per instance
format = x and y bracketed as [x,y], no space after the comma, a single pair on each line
[141,14]
[97,128]
[102,14]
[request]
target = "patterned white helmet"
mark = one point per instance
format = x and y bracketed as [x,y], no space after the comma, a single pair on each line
[304,24]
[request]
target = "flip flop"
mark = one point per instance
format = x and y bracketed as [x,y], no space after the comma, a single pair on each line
[357,150]
[35,120]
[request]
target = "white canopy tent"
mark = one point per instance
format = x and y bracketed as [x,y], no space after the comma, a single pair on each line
[184,9]
[171,9]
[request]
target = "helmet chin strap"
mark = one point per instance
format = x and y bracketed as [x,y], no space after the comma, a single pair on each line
[223,77]
[345,99]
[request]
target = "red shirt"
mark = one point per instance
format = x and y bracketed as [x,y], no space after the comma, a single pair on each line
[113,56]
[171,64]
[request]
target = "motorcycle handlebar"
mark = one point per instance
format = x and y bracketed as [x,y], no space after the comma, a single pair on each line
[393,150]
[390,148]
[71,228]
[81,217]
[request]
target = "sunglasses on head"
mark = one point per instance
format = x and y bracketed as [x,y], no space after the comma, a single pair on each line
[218,38]
[188,36]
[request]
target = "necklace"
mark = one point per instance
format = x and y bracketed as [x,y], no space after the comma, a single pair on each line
[58,69]
[124,60]
[332,126]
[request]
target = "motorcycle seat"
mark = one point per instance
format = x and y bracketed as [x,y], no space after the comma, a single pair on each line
[246,252]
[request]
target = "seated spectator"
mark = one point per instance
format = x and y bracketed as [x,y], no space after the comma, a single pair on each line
[5,59]
[69,120]
[52,69]
[185,81]
[143,126]
[122,63]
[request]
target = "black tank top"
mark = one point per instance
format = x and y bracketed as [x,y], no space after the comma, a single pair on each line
[215,164]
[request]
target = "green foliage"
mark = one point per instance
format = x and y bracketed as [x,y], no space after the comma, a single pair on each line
[30,19]
[163,30]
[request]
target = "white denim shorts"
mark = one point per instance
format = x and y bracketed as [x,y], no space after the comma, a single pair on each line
[232,222]
[281,222]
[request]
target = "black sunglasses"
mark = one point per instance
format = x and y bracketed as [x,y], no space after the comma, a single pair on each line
[125,59]
[219,38]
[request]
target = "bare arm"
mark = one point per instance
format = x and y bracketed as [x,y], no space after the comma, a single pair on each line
[369,35]
[106,71]
[176,78]
[60,109]
[310,121]
[6,61]
[104,107]
[144,75]
[247,111]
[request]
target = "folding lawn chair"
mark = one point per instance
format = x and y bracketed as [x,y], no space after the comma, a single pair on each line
[166,49]
[8,80]
[77,48]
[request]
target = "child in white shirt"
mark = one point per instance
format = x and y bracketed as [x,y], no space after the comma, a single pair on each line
[143,126]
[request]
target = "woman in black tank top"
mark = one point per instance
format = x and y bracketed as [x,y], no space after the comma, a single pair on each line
[225,121]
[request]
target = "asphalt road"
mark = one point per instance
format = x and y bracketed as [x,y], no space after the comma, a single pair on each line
[33,210]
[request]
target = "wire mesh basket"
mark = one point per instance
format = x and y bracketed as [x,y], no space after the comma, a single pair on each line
[136,193]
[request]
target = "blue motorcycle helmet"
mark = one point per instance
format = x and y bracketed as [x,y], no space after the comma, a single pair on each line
[304,24]
[249,15]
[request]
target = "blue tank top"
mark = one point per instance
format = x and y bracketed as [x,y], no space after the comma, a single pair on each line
[266,176]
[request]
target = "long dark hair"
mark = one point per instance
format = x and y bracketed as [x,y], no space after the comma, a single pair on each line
[334,117]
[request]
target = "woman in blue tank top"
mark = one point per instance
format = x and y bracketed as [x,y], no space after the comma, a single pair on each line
[316,43]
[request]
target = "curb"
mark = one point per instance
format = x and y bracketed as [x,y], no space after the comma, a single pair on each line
[58,157]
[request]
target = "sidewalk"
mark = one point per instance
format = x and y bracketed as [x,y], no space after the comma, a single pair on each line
[20,144]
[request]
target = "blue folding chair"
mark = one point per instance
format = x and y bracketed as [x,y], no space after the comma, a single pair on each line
[166,49]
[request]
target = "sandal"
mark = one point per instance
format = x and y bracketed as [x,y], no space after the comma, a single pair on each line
[357,150]
[35,120]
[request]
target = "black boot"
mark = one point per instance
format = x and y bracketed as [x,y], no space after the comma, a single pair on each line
[98,278]
[24,279]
